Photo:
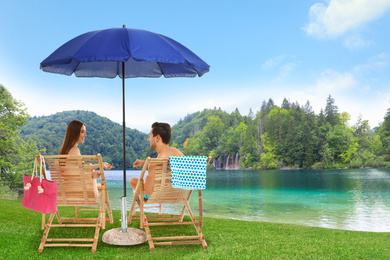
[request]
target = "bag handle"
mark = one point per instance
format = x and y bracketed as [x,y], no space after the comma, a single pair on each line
[34,172]
[41,164]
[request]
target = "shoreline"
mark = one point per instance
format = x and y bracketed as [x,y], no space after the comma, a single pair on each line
[296,168]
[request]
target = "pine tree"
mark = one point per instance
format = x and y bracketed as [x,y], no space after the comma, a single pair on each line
[248,145]
[309,141]
[285,104]
[331,111]
[386,124]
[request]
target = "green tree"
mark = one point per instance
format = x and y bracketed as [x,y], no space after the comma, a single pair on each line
[331,111]
[289,155]
[362,132]
[385,128]
[350,154]
[212,133]
[248,138]
[344,118]
[309,137]
[384,133]
[326,154]
[268,159]
[376,145]
[339,140]
[322,128]
[193,145]
[236,117]
[285,104]
[16,155]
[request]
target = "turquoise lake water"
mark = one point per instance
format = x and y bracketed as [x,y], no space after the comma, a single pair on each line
[356,199]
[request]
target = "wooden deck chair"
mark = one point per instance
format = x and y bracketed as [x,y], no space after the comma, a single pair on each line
[75,187]
[164,193]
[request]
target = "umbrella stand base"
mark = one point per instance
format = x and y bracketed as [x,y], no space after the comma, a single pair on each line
[133,236]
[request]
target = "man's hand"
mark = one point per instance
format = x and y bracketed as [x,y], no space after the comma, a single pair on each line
[138,163]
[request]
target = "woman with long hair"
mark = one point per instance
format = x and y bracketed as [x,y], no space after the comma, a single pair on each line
[75,134]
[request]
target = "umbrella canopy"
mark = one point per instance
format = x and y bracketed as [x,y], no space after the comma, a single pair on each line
[128,53]
[145,54]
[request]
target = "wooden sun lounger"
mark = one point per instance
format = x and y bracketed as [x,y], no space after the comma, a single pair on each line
[75,187]
[164,193]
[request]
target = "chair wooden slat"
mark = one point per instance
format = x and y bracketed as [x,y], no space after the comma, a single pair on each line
[164,193]
[75,187]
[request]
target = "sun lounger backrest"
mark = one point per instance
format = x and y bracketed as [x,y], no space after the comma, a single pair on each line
[163,192]
[75,186]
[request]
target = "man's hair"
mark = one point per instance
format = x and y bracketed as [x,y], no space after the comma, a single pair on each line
[162,129]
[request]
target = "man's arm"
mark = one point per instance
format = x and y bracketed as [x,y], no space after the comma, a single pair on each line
[138,163]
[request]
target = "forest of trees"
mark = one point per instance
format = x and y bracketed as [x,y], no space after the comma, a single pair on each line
[289,135]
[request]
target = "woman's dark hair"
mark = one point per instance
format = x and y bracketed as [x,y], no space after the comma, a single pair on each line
[71,136]
[162,129]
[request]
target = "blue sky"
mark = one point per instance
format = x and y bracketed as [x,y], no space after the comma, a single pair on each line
[301,50]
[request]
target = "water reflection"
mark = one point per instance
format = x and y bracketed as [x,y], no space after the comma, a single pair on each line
[342,199]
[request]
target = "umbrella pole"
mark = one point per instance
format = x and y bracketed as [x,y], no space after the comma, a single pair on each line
[124,236]
[123,198]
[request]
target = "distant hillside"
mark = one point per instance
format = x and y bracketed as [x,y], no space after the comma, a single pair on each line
[195,123]
[286,136]
[103,136]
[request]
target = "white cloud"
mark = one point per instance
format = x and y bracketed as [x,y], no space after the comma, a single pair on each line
[272,63]
[333,81]
[374,65]
[341,16]
[356,42]
[199,106]
[279,63]
[286,69]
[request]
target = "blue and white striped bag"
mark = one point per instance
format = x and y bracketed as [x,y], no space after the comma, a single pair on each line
[188,172]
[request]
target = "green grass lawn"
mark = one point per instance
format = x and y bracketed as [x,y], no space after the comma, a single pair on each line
[20,234]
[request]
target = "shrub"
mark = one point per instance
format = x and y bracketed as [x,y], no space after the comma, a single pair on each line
[357,163]
[318,165]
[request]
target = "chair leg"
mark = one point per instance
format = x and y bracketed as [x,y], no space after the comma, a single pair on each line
[196,225]
[182,213]
[200,208]
[96,237]
[132,209]
[43,220]
[141,209]
[102,216]
[58,218]
[148,235]
[46,233]
[77,211]
[109,209]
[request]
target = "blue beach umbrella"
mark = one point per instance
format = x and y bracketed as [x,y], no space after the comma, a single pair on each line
[127,53]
